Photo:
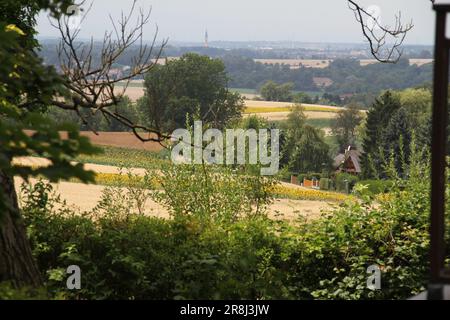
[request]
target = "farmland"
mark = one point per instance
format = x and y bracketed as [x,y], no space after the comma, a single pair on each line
[114,166]
[273,111]
[297,63]
[263,178]
[278,111]
[321,64]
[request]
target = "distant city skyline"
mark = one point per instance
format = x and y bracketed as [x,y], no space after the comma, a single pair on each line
[319,21]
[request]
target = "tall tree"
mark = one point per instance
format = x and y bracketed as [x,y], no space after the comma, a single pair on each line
[193,85]
[378,119]
[345,124]
[397,140]
[311,152]
[272,91]
[303,148]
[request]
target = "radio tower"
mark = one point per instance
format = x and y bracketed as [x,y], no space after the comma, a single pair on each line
[206,39]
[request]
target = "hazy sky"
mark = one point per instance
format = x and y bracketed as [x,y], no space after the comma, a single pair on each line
[256,20]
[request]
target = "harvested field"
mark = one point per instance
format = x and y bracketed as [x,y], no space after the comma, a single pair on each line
[121,139]
[133,92]
[311,63]
[117,139]
[279,116]
[85,197]
[420,62]
[272,104]
[417,62]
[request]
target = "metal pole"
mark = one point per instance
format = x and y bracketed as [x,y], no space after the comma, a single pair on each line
[439,137]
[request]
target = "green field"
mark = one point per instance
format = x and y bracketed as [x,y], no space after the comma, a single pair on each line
[127,158]
[244,91]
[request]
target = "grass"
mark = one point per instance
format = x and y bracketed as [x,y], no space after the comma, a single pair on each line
[320,123]
[127,158]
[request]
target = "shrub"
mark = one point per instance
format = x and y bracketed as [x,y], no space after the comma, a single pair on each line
[375,187]
[325,184]
[141,257]
[190,257]
[344,179]
[334,253]
[212,192]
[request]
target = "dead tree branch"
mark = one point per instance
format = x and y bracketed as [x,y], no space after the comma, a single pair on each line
[92,79]
[385,41]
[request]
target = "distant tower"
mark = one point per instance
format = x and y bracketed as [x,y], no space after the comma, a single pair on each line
[206,39]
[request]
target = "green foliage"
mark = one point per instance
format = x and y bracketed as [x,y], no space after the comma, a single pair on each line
[212,193]
[44,141]
[127,195]
[303,147]
[26,89]
[127,158]
[348,76]
[319,123]
[325,184]
[311,153]
[193,85]
[254,122]
[345,124]
[342,246]
[9,292]
[392,123]
[141,257]
[345,182]
[375,187]
[302,97]
[271,91]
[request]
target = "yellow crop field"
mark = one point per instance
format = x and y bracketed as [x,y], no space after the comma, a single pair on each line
[284,191]
[280,191]
[287,109]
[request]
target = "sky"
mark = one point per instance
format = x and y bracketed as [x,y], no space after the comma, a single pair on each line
[256,20]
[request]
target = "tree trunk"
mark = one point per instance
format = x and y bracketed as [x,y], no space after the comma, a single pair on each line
[17,264]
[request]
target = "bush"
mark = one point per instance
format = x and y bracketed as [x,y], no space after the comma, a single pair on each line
[141,257]
[325,184]
[129,256]
[212,193]
[342,179]
[333,253]
[375,187]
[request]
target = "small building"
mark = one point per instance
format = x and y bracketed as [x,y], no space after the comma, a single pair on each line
[348,162]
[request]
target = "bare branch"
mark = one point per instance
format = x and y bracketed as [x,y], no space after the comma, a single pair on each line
[91,80]
[385,42]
